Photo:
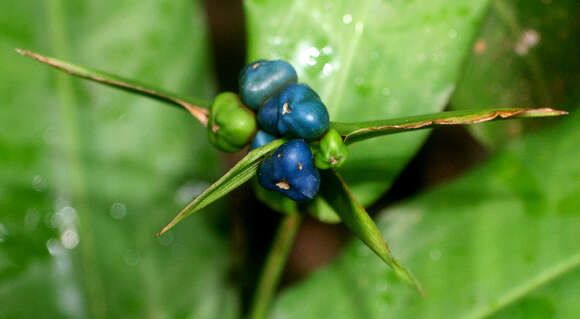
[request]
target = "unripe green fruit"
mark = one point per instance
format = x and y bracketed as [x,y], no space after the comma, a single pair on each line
[332,152]
[231,125]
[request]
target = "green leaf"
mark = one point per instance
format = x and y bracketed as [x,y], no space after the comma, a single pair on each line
[125,84]
[335,191]
[243,171]
[525,55]
[87,174]
[496,241]
[355,132]
[370,60]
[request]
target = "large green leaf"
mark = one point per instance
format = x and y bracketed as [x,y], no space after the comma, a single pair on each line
[480,246]
[370,59]
[525,55]
[88,174]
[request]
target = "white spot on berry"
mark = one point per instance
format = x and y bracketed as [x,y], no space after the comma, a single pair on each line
[283,185]
[285,109]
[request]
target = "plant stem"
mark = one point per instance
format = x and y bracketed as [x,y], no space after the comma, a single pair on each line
[274,265]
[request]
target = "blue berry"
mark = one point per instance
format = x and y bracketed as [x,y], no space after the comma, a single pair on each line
[268,115]
[262,138]
[263,79]
[290,171]
[301,113]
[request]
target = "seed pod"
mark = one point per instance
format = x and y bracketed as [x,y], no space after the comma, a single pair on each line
[332,151]
[263,79]
[262,138]
[231,125]
[290,171]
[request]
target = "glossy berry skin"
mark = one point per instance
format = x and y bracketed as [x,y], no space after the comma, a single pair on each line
[263,79]
[262,138]
[268,115]
[296,112]
[302,113]
[290,171]
[231,125]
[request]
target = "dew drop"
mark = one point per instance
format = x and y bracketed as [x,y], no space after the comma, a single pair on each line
[347,19]
[189,190]
[166,239]
[327,69]
[452,33]
[38,183]
[327,50]
[359,27]
[54,247]
[529,39]
[132,257]
[308,55]
[118,211]
[2,232]
[69,239]
[435,254]
[31,219]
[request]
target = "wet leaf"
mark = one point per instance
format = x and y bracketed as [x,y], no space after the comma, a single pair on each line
[336,193]
[354,132]
[243,171]
[500,241]
[88,174]
[370,60]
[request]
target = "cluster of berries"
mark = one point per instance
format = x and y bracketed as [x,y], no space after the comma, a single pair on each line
[285,109]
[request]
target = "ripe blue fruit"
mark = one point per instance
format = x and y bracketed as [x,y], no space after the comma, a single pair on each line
[302,113]
[268,115]
[290,171]
[296,112]
[262,138]
[263,79]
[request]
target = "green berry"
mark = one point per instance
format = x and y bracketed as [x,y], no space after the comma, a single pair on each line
[231,125]
[332,152]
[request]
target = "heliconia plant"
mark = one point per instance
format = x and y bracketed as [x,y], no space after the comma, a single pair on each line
[295,151]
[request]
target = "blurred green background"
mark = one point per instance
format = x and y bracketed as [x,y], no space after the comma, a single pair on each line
[486,217]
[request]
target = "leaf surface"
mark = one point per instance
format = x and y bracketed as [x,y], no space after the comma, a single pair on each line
[369,60]
[496,242]
[87,174]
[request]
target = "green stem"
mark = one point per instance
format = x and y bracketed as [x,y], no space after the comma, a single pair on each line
[274,265]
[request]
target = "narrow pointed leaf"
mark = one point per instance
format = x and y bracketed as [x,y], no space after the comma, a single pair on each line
[336,193]
[244,170]
[192,105]
[354,132]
